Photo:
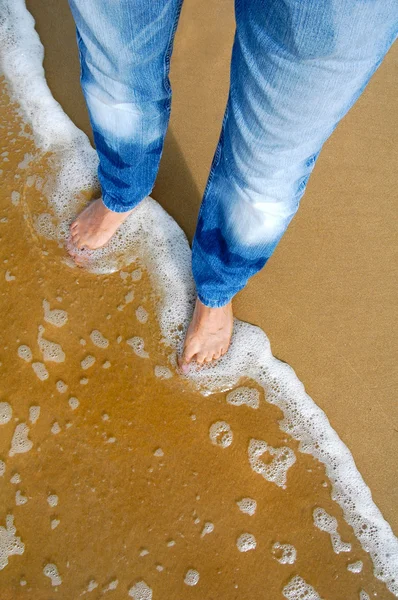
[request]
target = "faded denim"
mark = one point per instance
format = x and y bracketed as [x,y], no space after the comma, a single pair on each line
[297,67]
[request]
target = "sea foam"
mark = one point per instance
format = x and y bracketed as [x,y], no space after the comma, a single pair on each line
[156,239]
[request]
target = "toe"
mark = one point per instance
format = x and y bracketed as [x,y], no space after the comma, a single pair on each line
[217,355]
[200,358]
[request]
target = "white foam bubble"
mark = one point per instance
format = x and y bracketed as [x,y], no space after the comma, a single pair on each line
[328,523]
[20,499]
[141,314]
[246,542]
[144,552]
[2,468]
[136,275]
[10,544]
[276,470]
[138,345]
[171,543]
[140,591]
[61,386]
[298,589]
[106,364]
[5,413]
[16,478]
[247,506]
[51,351]
[285,554]
[162,372]
[25,353]
[52,500]
[355,567]
[55,428]
[9,276]
[34,413]
[73,402]
[191,577]
[208,527]
[15,198]
[55,523]
[98,339]
[244,395]
[87,362]
[112,585]
[363,595]
[155,237]
[158,452]
[40,370]
[56,317]
[220,434]
[51,571]
[92,585]
[20,442]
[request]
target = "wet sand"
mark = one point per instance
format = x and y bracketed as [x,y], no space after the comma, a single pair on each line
[326,299]
[121,476]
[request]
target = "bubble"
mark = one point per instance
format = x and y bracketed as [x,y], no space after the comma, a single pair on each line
[140,591]
[56,317]
[159,568]
[363,595]
[144,552]
[40,370]
[106,364]
[25,353]
[112,585]
[285,554]
[220,434]
[276,470]
[83,381]
[34,413]
[246,542]
[20,499]
[22,582]
[10,544]
[191,577]
[87,362]
[98,339]
[141,314]
[51,571]
[73,402]
[137,344]
[2,468]
[208,527]
[55,523]
[298,589]
[9,276]
[5,413]
[55,428]
[162,372]
[129,297]
[247,506]
[20,442]
[52,500]
[355,567]
[136,275]
[61,386]
[325,522]
[244,395]
[15,197]
[92,585]
[16,478]
[171,543]
[51,351]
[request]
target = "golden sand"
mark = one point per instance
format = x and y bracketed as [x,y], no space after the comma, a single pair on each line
[123,483]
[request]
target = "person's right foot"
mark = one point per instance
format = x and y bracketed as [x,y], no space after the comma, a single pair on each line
[95,226]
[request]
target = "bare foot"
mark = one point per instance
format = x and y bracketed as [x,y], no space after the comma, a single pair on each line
[208,335]
[95,225]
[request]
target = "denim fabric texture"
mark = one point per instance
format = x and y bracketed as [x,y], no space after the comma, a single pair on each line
[297,67]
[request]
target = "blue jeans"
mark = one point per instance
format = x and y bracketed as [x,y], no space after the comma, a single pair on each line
[297,67]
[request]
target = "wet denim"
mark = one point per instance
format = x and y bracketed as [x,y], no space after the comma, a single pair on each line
[297,67]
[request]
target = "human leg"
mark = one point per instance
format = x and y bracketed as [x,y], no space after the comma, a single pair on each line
[296,70]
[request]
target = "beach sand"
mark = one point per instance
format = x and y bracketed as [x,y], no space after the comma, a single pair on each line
[128,454]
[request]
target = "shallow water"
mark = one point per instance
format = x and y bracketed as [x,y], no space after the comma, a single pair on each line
[124,476]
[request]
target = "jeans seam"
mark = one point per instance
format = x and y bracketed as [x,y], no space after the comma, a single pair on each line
[167,58]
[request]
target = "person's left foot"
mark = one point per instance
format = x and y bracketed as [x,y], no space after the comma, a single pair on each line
[208,336]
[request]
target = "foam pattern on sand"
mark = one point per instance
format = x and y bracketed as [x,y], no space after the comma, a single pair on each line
[156,239]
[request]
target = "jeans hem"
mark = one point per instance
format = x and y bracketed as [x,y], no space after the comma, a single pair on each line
[116,206]
[214,303]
